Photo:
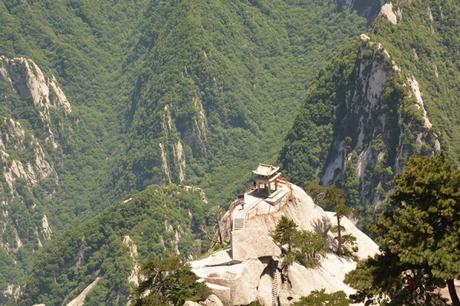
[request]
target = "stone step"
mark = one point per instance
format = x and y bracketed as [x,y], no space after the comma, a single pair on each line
[238,224]
[275,288]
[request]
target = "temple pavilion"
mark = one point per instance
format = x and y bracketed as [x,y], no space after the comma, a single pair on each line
[265,178]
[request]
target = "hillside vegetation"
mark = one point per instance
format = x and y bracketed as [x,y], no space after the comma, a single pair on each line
[112,245]
[193,92]
[389,95]
[79,46]
[218,83]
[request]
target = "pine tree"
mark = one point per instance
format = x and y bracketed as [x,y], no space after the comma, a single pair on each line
[168,282]
[304,247]
[332,197]
[419,232]
[285,232]
[424,228]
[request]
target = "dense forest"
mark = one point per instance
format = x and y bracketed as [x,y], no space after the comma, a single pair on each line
[387,96]
[140,100]
[159,92]
[154,222]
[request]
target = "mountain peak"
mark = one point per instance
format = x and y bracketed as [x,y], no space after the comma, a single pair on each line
[249,270]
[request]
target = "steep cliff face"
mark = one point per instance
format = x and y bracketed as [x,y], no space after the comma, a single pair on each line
[30,111]
[26,148]
[379,124]
[375,106]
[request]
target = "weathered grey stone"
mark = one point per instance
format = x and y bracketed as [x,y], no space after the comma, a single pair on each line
[253,243]
[264,291]
[222,292]
[242,278]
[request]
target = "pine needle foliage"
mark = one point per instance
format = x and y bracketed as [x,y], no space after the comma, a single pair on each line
[306,248]
[321,298]
[169,282]
[418,233]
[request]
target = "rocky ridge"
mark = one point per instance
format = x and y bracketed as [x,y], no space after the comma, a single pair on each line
[380,132]
[373,117]
[31,102]
[250,269]
[25,153]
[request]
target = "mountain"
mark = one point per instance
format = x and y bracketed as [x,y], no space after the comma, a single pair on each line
[185,92]
[101,257]
[388,95]
[217,84]
[101,99]
[34,115]
[252,268]
[59,68]
[109,247]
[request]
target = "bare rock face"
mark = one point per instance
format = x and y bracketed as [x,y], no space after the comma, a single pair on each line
[33,105]
[30,82]
[250,270]
[374,131]
[42,93]
[13,138]
[388,12]
[253,243]
[24,152]
[133,278]
[80,299]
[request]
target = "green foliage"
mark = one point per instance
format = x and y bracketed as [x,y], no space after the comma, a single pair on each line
[423,226]
[285,232]
[333,198]
[306,248]
[425,44]
[10,273]
[317,192]
[418,234]
[158,220]
[307,144]
[83,44]
[121,62]
[309,247]
[169,282]
[242,63]
[321,298]
[335,123]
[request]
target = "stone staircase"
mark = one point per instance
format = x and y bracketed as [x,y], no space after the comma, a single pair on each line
[275,291]
[238,222]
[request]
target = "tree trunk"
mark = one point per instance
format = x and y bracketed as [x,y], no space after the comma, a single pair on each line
[453,292]
[339,237]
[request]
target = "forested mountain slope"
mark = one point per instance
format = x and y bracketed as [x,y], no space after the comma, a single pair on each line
[391,94]
[60,69]
[191,92]
[366,8]
[34,114]
[112,246]
[218,83]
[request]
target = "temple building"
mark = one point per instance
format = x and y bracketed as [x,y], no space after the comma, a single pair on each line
[265,179]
